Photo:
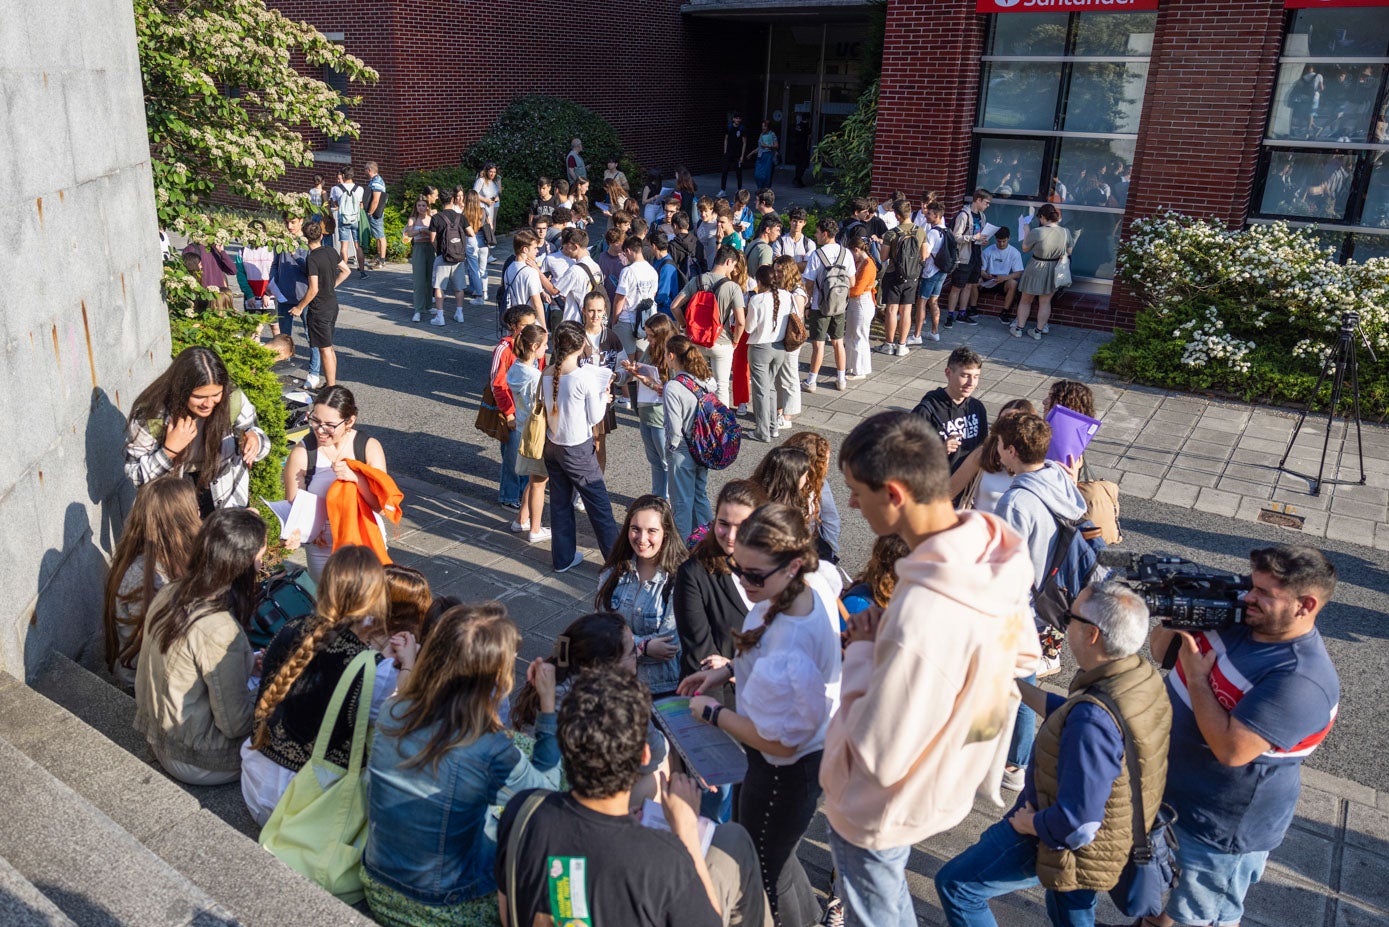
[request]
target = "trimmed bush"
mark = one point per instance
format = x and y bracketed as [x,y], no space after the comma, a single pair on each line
[1253,312]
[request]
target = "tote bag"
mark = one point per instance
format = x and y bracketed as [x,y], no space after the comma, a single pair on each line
[533,437]
[319,828]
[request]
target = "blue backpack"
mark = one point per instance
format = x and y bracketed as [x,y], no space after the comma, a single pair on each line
[1075,556]
[715,435]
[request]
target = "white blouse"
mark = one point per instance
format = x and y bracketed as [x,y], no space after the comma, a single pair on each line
[582,403]
[788,685]
[765,324]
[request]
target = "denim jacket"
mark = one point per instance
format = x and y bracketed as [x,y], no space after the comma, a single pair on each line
[431,833]
[650,612]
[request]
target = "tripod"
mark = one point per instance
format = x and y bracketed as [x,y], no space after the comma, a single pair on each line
[1341,360]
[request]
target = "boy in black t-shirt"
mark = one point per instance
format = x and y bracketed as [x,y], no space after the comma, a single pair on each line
[326,270]
[544,204]
[952,410]
[581,857]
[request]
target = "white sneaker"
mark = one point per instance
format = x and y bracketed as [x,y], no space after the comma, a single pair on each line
[437,318]
[478,301]
[517,527]
[535,537]
[415,317]
[808,384]
[782,422]
[1036,334]
[579,504]
[742,408]
[578,559]
[312,382]
[624,403]
[840,384]
[1015,331]
[913,339]
[1045,329]
[1048,666]
[903,350]
[458,315]
[721,193]
[1014,778]
[887,347]
[855,376]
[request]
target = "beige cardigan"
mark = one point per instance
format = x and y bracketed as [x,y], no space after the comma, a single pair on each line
[191,702]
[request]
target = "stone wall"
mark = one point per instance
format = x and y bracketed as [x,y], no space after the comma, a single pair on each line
[83,325]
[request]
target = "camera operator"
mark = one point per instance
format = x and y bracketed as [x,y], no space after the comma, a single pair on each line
[1250,702]
[1071,829]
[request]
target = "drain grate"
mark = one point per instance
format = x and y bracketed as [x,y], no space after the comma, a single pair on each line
[1282,516]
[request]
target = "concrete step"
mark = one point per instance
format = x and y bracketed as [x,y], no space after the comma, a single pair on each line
[183,825]
[23,905]
[92,870]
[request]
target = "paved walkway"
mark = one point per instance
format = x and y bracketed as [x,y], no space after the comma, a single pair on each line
[1329,871]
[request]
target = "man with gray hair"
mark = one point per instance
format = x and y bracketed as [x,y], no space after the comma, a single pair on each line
[1072,827]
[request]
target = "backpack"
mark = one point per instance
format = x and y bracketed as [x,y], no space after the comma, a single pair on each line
[833,284]
[503,297]
[715,435]
[283,596]
[1075,556]
[1102,507]
[846,230]
[349,205]
[906,253]
[703,321]
[948,254]
[455,250]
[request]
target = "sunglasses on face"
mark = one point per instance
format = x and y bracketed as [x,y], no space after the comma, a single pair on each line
[753,577]
[1072,616]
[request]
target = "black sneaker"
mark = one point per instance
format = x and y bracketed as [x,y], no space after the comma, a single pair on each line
[969,319]
[949,320]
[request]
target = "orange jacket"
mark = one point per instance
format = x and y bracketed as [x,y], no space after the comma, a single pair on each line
[353,521]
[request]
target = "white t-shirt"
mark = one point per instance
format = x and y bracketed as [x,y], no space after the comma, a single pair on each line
[1000,262]
[765,324]
[933,246]
[799,251]
[554,264]
[637,281]
[582,403]
[831,253]
[788,685]
[522,284]
[575,283]
[889,217]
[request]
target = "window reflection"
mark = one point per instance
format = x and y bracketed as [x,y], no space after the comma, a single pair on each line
[1327,102]
[1339,33]
[1029,34]
[1095,241]
[1020,95]
[1011,166]
[1311,185]
[1095,172]
[1105,97]
[1128,34]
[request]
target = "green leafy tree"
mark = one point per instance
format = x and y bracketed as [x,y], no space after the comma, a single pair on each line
[849,151]
[228,114]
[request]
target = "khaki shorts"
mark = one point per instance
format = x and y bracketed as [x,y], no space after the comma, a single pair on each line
[825,327]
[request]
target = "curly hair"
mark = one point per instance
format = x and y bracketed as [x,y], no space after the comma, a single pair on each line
[780,532]
[818,447]
[351,589]
[879,575]
[602,732]
[1071,394]
[989,460]
[410,598]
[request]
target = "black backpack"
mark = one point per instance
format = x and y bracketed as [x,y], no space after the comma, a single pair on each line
[948,254]
[503,299]
[906,252]
[455,249]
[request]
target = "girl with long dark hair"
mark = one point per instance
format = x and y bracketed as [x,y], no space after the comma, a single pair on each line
[193,422]
[637,583]
[191,700]
[689,480]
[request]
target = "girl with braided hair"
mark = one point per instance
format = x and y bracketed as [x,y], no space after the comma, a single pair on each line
[302,667]
[787,665]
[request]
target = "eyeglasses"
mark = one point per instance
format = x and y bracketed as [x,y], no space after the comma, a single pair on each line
[329,427]
[1072,616]
[754,578]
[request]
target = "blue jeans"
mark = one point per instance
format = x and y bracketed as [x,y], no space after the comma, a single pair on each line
[1024,732]
[510,483]
[717,806]
[872,884]
[689,491]
[1212,885]
[1003,861]
[286,326]
[575,470]
[477,284]
[653,440]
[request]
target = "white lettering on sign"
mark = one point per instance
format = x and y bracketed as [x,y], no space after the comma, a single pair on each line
[1020,6]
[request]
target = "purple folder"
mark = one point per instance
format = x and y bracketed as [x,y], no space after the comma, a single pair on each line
[1071,433]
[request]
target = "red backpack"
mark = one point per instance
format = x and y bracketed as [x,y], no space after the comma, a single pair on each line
[703,321]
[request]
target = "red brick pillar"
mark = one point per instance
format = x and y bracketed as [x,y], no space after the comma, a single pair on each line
[929,93]
[1213,70]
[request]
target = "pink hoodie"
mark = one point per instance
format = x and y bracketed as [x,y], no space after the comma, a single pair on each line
[927,709]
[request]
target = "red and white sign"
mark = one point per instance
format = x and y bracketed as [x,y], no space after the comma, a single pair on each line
[1318,4]
[1071,6]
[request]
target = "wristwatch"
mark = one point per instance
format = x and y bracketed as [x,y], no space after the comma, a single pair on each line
[711,714]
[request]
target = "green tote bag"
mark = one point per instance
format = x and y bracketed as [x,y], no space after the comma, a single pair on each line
[319,828]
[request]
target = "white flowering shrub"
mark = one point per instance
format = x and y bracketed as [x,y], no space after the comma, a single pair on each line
[1251,311]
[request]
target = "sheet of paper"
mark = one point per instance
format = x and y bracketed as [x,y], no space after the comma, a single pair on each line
[654,817]
[298,516]
[1024,223]
[645,394]
[989,230]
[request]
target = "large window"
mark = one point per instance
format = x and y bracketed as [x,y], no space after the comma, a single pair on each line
[1324,153]
[1060,99]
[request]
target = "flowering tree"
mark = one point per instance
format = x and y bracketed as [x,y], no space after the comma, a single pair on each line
[1254,311]
[227,111]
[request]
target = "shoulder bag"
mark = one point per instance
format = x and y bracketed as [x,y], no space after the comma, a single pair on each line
[490,420]
[320,830]
[513,848]
[533,437]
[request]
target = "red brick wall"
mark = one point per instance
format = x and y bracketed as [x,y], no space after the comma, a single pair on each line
[1212,71]
[662,80]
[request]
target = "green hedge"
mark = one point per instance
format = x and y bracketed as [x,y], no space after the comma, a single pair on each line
[1252,312]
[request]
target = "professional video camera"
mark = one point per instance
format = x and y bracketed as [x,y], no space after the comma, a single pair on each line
[1185,596]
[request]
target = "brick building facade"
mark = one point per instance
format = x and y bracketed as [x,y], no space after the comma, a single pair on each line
[1222,127]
